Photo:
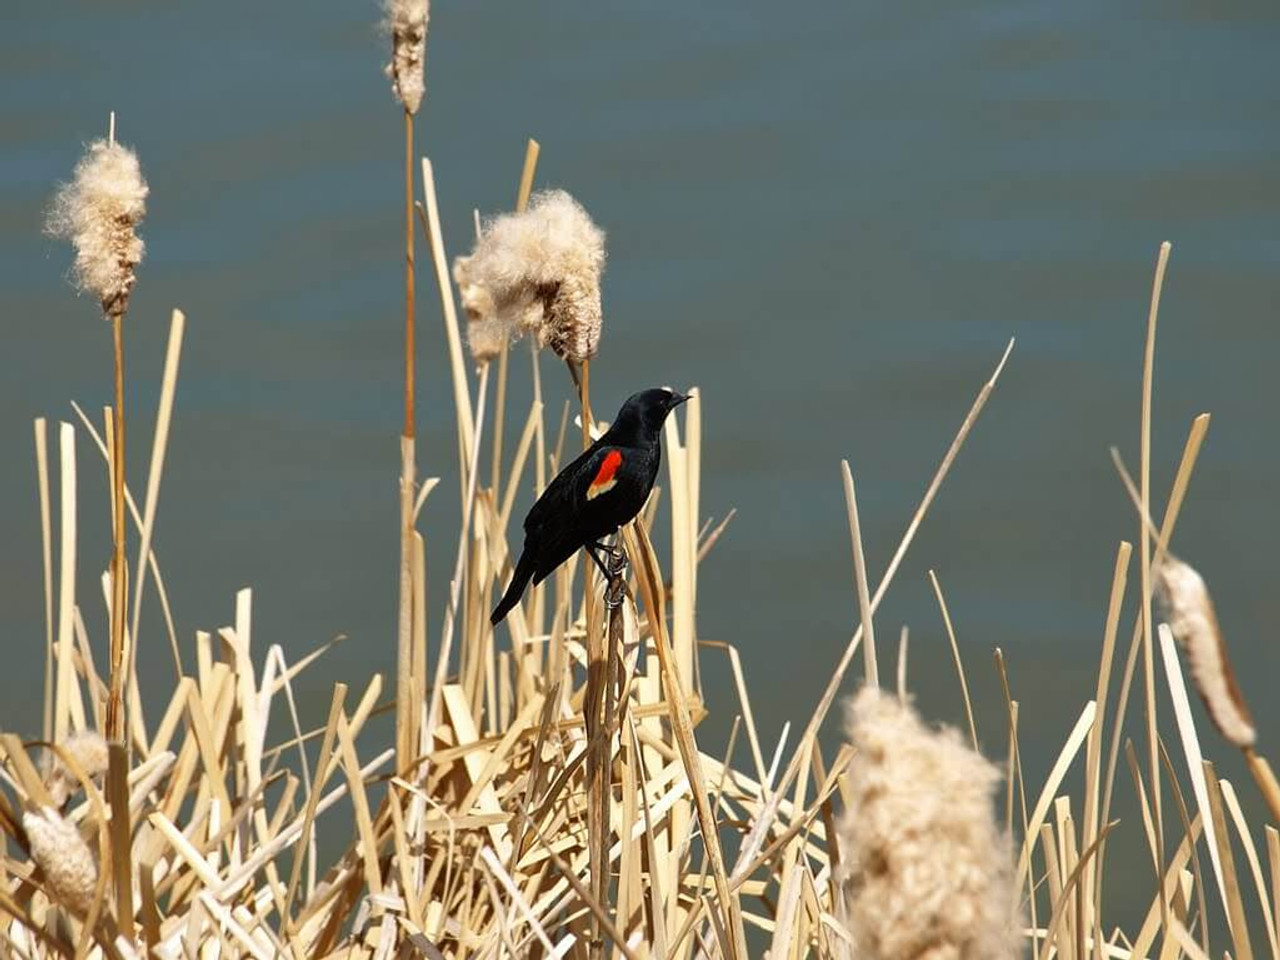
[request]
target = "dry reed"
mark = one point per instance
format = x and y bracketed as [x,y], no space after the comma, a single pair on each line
[554,800]
[99,211]
[406,23]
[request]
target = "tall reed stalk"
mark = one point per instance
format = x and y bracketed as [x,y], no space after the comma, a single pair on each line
[98,211]
[406,683]
[114,726]
[406,22]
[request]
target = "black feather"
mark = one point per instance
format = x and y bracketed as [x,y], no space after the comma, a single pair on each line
[566,518]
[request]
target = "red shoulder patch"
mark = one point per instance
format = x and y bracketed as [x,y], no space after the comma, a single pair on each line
[605,479]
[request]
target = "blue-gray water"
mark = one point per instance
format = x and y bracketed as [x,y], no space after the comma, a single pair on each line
[829,216]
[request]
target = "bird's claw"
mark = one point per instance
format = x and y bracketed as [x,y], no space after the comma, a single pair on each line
[616,571]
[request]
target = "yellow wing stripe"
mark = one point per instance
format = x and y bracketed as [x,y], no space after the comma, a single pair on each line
[605,479]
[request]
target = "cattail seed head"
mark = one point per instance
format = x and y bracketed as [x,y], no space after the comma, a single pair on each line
[99,211]
[63,856]
[406,21]
[88,751]
[536,272]
[927,872]
[1188,609]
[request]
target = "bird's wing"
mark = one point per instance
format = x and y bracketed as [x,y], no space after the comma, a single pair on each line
[572,487]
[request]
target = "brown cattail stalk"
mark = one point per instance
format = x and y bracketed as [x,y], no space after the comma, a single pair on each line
[927,872]
[114,725]
[406,21]
[99,212]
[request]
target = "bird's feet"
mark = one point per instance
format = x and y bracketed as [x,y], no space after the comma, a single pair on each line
[594,550]
[616,572]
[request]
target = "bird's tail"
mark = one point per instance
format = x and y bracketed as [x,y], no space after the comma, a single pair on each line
[519,580]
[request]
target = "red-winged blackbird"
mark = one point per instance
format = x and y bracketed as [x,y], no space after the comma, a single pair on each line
[595,495]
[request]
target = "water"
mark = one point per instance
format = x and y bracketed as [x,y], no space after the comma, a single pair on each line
[830,217]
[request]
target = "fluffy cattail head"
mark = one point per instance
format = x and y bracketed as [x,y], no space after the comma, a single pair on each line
[88,751]
[1187,607]
[406,21]
[99,212]
[536,272]
[63,856]
[485,335]
[927,873]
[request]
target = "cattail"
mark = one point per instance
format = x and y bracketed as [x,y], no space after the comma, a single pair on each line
[536,272]
[99,212]
[406,21]
[88,751]
[928,873]
[484,336]
[63,856]
[1187,607]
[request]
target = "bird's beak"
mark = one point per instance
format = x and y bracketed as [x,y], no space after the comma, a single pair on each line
[680,398]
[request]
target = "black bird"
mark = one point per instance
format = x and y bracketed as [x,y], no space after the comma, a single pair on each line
[595,495]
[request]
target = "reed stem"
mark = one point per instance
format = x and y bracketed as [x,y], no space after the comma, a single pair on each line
[406,709]
[409,292]
[500,402]
[1265,778]
[114,725]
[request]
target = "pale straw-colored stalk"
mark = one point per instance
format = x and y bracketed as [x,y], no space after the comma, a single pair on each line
[99,211]
[406,22]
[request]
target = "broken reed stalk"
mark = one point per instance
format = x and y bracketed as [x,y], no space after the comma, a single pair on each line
[860,578]
[164,413]
[430,215]
[407,655]
[406,21]
[1148,642]
[532,149]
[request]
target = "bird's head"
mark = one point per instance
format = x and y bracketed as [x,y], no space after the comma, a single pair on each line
[648,409]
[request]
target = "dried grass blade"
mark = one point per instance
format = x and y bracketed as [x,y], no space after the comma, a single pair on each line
[461,394]
[46,557]
[756,837]
[1185,816]
[1191,750]
[1251,854]
[872,672]
[1050,789]
[657,917]
[159,445]
[309,816]
[121,834]
[955,654]
[1236,916]
[65,685]
[360,802]
[650,580]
